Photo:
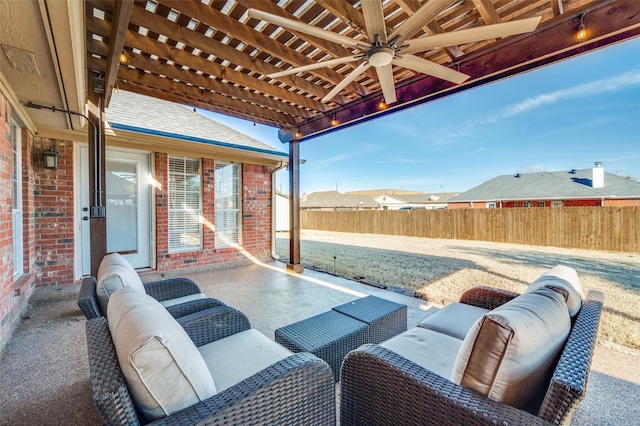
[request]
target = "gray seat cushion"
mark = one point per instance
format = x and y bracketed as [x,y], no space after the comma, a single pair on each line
[240,356]
[429,349]
[183,299]
[454,320]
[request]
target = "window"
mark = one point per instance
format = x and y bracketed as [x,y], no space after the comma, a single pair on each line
[16,189]
[541,204]
[556,204]
[228,223]
[491,205]
[516,204]
[185,204]
[527,204]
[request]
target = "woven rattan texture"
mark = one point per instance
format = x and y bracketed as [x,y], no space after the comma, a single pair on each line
[214,324]
[385,318]
[110,395]
[88,300]
[329,335]
[298,390]
[188,308]
[380,387]
[171,288]
[486,297]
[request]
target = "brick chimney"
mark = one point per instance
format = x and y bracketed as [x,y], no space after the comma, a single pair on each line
[597,180]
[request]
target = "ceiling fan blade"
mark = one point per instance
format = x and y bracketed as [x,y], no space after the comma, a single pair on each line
[305,28]
[374,20]
[485,32]
[348,79]
[317,65]
[430,68]
[427,13]
[387,83]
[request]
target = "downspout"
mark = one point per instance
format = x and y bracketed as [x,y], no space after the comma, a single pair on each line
[282,165]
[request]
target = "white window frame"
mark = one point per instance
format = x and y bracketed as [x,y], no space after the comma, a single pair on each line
[491,205]
[182,211]
[16,195]
[527,204]
[228,203]
[556,204]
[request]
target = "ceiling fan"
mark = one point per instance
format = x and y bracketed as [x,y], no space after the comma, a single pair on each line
[384,50]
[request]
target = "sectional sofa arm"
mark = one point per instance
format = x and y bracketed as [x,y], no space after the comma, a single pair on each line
[88,300]
[487,297]
[298,390]
[171,288]
[214,324]
[193,306]
[374,379]
[110,394]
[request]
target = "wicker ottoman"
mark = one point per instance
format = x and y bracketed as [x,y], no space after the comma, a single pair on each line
[385,319]
[329,336]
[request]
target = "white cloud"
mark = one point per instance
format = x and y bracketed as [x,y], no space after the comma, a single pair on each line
[629,78]
[329,161]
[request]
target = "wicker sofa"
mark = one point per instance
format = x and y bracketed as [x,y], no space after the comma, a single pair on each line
[247,379]
[180,296]
[389,384]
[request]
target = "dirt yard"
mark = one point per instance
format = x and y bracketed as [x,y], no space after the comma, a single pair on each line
[443,269]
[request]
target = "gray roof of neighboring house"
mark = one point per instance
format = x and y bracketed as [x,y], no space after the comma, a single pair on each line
[143,114]
[567,184]
[330,199]
[424,198]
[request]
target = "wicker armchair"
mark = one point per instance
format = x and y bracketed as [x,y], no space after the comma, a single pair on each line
[380,387]
[160,290]
[297,390]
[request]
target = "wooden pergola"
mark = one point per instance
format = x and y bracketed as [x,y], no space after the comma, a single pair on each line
[212,55]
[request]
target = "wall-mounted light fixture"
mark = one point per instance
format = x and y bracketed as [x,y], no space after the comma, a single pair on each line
[51,158]
[582,31]
[334,121]
[123,58]
[382,105]
[115,88]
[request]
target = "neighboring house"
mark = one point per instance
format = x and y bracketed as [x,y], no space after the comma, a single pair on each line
[375,193]
[334,200]
[585,187]
[415,201]
[282,212]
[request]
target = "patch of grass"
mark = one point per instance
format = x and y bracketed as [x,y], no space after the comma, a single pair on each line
[443,271]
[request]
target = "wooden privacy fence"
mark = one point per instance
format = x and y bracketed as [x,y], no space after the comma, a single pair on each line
[596,228]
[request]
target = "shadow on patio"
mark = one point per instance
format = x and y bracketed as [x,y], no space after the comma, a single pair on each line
[44,377]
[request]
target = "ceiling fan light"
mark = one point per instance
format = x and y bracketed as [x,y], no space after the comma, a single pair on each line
[380,56]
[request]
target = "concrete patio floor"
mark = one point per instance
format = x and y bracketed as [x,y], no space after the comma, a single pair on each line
[44,378]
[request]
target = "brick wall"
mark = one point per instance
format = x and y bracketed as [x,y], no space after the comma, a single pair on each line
[256,226]
[622,203]
[13,293]
[53,205]
[582,203]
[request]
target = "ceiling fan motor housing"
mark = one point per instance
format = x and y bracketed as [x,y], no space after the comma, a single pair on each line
[380,56]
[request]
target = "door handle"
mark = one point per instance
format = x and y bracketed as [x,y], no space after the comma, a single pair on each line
[85,209]
[85,217]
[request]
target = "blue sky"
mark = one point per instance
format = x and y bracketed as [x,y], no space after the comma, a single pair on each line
[561,117]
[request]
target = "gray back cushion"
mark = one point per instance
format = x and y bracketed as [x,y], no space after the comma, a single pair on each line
[162,367]
[510,353]
[114,273]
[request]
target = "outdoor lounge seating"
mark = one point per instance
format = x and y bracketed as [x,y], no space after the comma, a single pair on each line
[180,296]
[494,358]
[211,369]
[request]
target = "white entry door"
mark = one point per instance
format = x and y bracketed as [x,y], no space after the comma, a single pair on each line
[128,206]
